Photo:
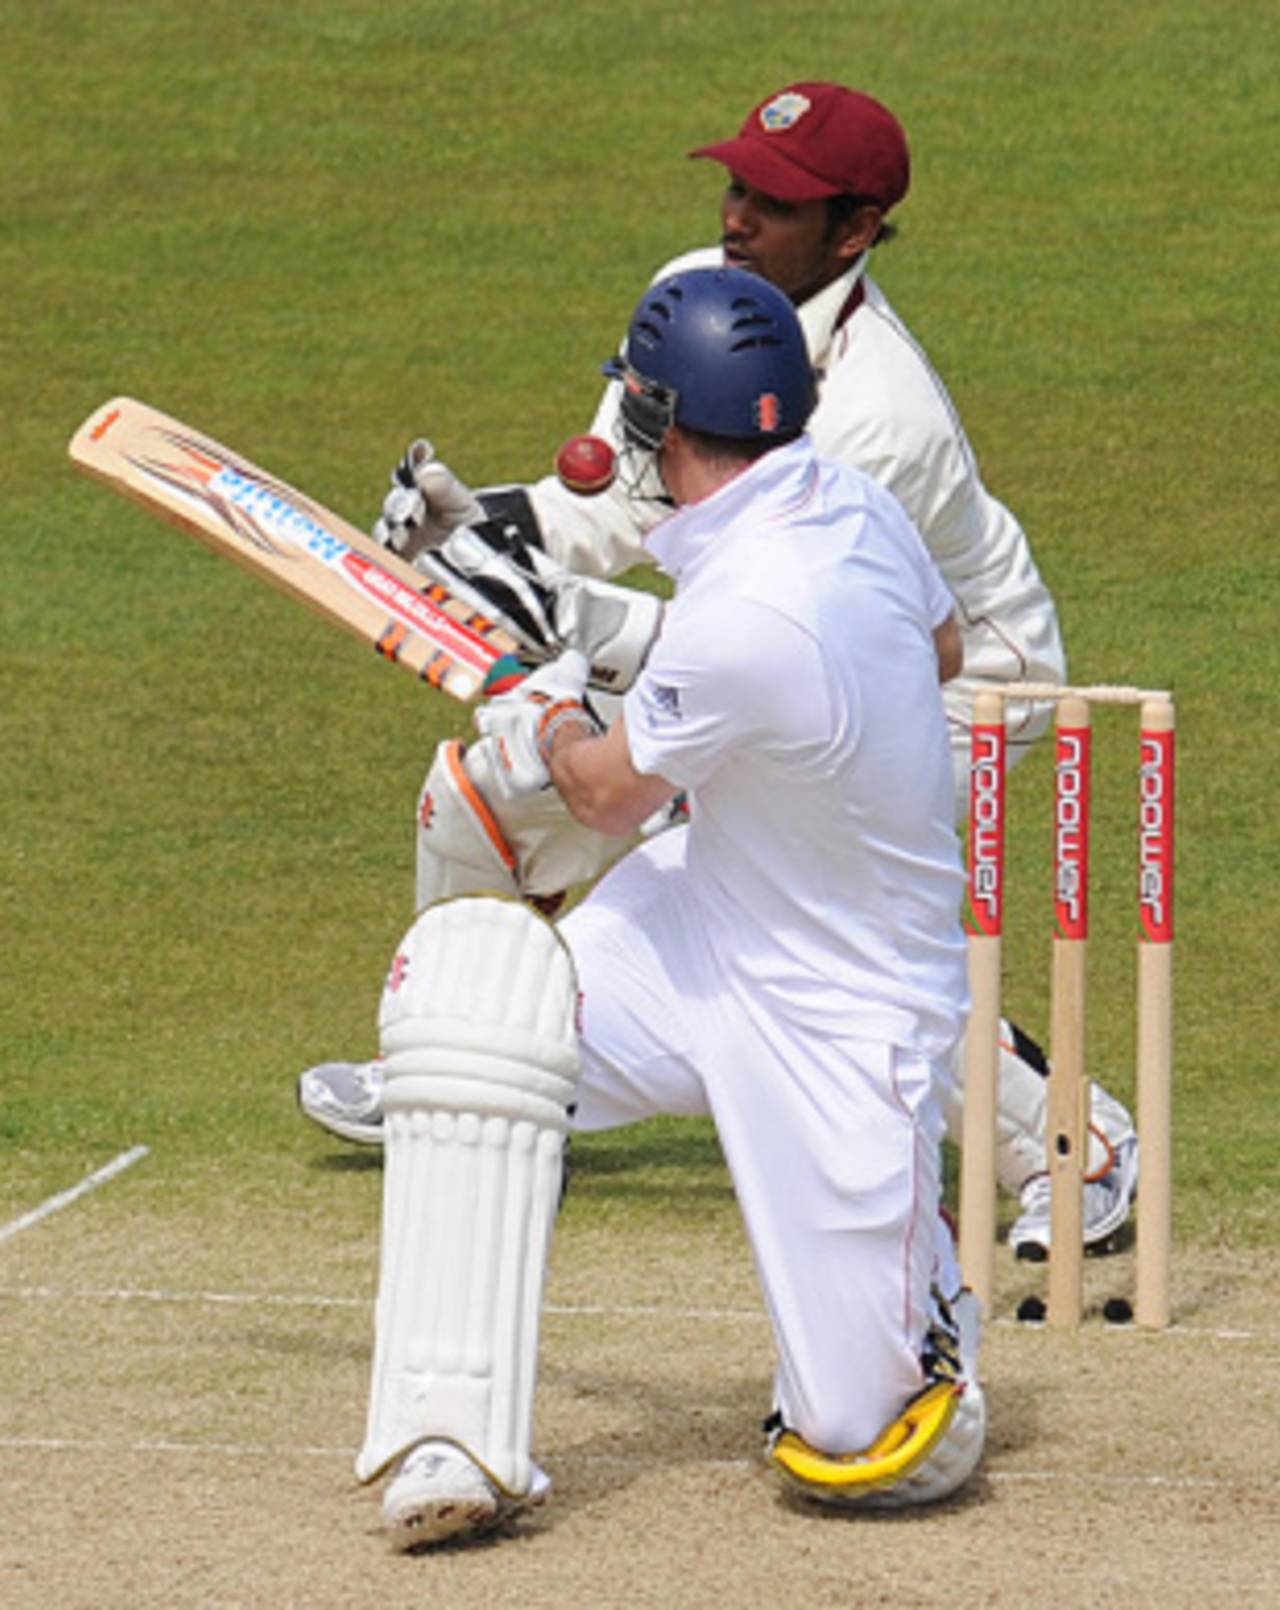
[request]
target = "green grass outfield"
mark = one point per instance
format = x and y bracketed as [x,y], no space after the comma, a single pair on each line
[316,230]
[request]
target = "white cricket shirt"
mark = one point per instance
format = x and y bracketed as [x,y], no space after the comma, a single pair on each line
[793,691]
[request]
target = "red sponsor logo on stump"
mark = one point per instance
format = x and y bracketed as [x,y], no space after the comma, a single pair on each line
[1071,833]
[986,831]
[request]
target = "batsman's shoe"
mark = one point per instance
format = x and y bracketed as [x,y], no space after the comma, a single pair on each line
[1107,1204]
[439,1492]
[345,1098]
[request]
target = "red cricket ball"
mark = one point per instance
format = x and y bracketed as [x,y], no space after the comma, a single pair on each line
[586,465]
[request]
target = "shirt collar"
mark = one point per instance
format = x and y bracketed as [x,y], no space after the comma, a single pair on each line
[765,490]
[820,316]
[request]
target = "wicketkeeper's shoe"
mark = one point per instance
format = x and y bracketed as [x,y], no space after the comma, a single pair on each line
[1107,1204]
[345,1098]
[439,1492]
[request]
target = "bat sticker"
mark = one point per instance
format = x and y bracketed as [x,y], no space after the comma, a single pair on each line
[292,541]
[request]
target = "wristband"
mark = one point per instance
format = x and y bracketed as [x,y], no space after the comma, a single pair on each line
[559,715]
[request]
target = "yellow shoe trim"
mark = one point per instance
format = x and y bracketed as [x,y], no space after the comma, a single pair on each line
[900,1447]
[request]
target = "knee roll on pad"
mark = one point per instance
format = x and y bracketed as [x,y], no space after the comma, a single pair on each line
[479,1043]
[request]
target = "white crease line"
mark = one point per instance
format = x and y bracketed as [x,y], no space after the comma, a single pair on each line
[225,1299]
[100,1176]
[1094,1479]
[269,1299]
[234,1450]
[1174,1332]
[285,1300]
[649,1311]
[569,1457]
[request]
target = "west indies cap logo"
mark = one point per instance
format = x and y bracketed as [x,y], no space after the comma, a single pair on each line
[783,111]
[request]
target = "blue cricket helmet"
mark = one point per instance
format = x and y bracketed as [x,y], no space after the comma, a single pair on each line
[717,350]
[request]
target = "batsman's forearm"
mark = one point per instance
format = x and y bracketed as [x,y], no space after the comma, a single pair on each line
[594,776]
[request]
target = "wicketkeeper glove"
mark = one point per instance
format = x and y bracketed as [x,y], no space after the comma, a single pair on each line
[487,546]
[426,502]
[525,721]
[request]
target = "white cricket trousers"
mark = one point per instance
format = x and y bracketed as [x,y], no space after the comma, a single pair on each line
[833,1144]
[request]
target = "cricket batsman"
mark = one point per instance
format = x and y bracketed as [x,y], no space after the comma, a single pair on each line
[790,964]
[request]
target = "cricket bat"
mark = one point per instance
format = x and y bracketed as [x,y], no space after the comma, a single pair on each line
[291,541]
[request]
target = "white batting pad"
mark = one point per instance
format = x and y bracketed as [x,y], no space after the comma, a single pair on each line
[480,1046]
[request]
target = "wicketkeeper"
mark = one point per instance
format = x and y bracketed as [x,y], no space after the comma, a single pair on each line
[791,964]
[814,171]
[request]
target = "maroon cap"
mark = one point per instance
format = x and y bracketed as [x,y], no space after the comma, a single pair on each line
[814,140]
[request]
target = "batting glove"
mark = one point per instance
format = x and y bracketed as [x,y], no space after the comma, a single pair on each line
[525,721]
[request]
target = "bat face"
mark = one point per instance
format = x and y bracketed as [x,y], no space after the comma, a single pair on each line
[291,541]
